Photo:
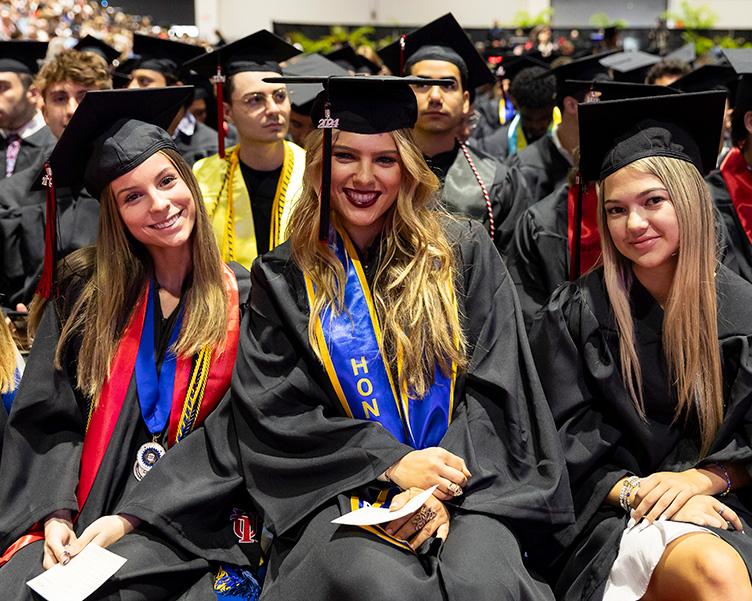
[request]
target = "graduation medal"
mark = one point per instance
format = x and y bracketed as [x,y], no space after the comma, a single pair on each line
[147,456]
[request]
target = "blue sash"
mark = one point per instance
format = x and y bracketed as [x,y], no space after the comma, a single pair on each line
[155,391]
[359,370]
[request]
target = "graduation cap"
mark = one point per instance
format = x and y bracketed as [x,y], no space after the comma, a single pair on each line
[362,105]
[615,133]
[98,47]
[348,59]
[303,94]
[576,76]
[630,66]
[709,77]
[259,52]
[21,56]
[163,56]
[121,75]
[620,90]
[442,40]
[111,133]
[740,60]
[686,53]
[511,64]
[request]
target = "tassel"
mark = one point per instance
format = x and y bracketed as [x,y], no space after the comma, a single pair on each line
[574,261]
[402,56]
[326,182]
[219,79]
[47,286]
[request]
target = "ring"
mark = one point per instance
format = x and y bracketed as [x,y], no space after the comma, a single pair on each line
[456,489]
[422,517]
[721,508]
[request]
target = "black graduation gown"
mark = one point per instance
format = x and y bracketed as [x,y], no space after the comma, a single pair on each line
[494,143]
[301,456]
[542,165]
[22,235]
[737,252]
[487,111]
[463,195]
[203,143]
[40,473]
[32,151]
[538,258]
[576,349]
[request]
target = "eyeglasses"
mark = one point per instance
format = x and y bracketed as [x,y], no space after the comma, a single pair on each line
[257,99]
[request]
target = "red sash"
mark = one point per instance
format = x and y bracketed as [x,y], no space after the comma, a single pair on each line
[111,400]
[590,240]
[738,180]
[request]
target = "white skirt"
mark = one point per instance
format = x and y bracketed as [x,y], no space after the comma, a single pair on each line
[640,551]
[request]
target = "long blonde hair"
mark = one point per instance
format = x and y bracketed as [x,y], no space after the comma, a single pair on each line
[690,328]
[7,358]
[413,284]
[120,269]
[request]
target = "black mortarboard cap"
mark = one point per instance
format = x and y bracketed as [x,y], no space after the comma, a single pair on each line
[362,105]
[709,77]
[97,46]
[740,60]
[303,94]
[163,56]
[686,53]
[21,56]
[260,51]
[630,66]
[443,40]
[616,133]
[511,64]
[620,90]
[348,59]
[97,146]
[573,77]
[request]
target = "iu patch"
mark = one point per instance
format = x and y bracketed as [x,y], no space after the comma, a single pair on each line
[245,526]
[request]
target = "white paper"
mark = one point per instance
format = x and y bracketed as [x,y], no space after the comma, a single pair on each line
[368,516]
[84,574]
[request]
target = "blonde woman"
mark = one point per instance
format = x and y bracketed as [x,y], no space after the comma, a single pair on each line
[646,364]
[387,360]
[11,370]
[131,357]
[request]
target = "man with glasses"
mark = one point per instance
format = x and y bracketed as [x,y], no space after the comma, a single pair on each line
[250,191]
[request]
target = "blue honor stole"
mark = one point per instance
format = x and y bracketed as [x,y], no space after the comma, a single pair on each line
[359,371]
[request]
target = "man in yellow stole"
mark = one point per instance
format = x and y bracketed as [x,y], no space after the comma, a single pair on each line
[250,189]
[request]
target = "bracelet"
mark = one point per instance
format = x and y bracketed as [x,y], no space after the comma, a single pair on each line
[728,479]
[625,493]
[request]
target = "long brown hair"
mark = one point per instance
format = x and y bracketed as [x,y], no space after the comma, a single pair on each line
[413,284]
[7,358]
[690,328]
[121,268]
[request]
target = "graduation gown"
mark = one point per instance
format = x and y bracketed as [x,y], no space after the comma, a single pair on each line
[203,143]
[576,349]
[463,196]
[542,165]
[302,456]
[494,143]
[33,149]
[40,469]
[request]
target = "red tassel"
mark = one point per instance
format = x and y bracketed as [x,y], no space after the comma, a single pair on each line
[219,79]
[47,287]
[402,56]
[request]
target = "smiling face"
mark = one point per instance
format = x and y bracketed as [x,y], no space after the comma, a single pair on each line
[642,222]
[366,178]
[155,204]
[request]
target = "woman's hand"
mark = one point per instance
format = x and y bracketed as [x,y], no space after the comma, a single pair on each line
[58,538]
[704,510]
[105,531]
[665,493]
[432,518]
[427,467]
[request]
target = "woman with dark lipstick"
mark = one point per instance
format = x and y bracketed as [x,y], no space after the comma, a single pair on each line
[129,358]
[386,360]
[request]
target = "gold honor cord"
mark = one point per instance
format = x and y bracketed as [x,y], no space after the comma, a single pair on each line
[278,206]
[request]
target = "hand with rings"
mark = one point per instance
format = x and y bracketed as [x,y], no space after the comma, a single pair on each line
[705,510]
[431,519]
[426,467]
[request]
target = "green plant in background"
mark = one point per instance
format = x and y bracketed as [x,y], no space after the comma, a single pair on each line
[601,21]
[524,19]
[338,35]
[694,20]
